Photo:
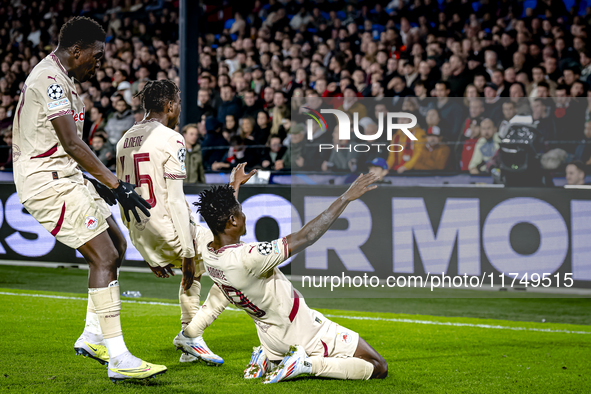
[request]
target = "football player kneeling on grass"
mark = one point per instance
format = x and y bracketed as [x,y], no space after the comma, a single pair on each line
[299,339]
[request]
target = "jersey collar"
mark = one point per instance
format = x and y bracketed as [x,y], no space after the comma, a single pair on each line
[56,60]
[220,250]
[145,121]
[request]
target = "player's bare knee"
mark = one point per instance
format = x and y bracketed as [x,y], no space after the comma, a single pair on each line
[108,258]
[121,246]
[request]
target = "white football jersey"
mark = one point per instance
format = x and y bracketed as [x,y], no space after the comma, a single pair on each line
[39,158]
[146,155]
[248,276]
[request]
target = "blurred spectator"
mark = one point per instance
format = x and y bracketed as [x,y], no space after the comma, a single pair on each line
[203,104]
[486,147]
[273,154]
[231,105]
[471,137]
[236,154]
[280,111]
[460,76]
[252,104]
[583,151]
[539,76]
[262,129]
[575,173]
[5,121]
[214,145]
[405,159]
[7,139]
[379,167]
[103,148]
[295,157]
[97,122]
[450,110]
[230,127]
[517,94]
[246,131]
[119,122]
[342,156]
[193,158]
[435,155]
[351,104]
[542,120]
[269,54]
[124,88]
[470,134]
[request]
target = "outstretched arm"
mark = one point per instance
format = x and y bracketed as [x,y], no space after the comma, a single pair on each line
[314,229]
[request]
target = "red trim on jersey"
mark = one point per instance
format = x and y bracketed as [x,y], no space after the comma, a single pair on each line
[20,107]
[60,221]
[60,113]
[46,154]
[325,348]
[53,57]
[220,250]
[173,176]
[296,306]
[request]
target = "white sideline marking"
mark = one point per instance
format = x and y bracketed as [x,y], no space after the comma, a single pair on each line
[448,323]
[410,321]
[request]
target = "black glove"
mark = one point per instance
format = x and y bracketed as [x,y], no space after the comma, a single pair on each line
[103,191]
[130,200]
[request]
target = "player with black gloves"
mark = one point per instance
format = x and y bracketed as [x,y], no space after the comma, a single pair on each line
[48,151]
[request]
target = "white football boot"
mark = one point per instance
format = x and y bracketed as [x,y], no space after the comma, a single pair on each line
[295,363]
[259,364]
[92,346]
[187,358]
[196,347]
[126,366]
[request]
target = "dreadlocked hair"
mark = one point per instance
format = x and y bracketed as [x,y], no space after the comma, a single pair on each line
[156,94]
[216,205]
[81,31]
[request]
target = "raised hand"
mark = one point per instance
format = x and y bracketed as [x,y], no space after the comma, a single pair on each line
[239,176]
[361,186]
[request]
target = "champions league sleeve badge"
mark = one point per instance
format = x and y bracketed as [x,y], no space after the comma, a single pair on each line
[265,248]
[55,91]
[181,155]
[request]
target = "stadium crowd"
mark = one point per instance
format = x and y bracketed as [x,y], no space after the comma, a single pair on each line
[466,69]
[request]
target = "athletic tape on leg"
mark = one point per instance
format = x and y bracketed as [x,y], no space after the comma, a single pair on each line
[92,321]
[189,301]
[107,304]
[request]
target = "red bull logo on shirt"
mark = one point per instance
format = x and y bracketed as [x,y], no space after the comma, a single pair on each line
[78,117]
[91,222]
[346,337]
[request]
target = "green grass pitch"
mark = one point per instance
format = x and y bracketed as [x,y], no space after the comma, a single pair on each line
[487,346]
